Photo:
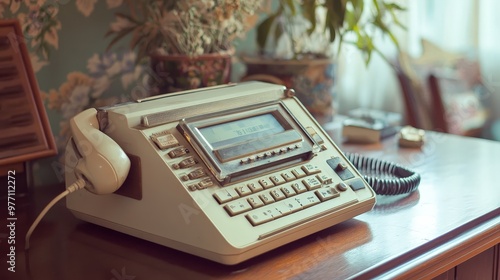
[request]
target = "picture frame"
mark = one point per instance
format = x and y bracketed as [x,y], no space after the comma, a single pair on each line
[25,132]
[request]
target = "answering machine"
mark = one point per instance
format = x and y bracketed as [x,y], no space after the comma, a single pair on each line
[225,173]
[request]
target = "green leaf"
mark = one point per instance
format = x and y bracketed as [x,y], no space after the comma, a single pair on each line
[309,12]
[263,30]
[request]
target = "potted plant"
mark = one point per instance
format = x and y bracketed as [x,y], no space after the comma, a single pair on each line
[189,43]
[298,38]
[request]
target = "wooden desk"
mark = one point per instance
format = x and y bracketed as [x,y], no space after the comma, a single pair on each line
[452,217]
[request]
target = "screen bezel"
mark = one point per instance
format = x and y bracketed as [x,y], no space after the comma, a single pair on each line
[231,161]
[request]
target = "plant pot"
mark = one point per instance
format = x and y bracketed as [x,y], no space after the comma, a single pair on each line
[181,72]
[311,78]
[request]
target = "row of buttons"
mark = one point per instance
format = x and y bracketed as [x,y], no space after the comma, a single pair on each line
[228,194]
[278,194]
[165,140]
[269,154]
[203,184]
[290,205]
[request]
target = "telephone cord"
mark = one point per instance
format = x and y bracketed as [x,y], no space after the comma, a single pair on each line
[390,178]
[79,184]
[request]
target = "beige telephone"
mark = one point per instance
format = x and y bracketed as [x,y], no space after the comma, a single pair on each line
[225,173]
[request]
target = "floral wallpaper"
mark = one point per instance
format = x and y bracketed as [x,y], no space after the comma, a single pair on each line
[74,68]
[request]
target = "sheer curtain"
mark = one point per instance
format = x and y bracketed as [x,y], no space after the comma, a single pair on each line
[463,26]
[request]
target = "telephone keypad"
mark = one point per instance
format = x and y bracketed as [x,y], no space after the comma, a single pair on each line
[275,196]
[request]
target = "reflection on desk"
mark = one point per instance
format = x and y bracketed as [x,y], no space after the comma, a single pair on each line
[452,217]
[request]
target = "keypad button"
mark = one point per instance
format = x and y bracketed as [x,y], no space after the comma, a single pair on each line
[312,183]
[291,205]
[307,199]
[288,176]
[255,201]
[188,162]
[205,183]
[266,183]
[177,152]
[165,140]
[310,169]
[277,194]
[283,209]
[223,196]
[266,198]
[342,186]
[237,207]
[298,173]
[288,190]
[324,178]
[243,190]
[277,180]
[258,217]
[254,187]
[327,193]
[299,187]
[271,210]
[197,173]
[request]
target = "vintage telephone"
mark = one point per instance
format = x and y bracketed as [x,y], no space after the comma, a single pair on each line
[225,173]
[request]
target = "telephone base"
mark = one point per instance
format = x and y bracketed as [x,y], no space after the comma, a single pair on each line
[244,254]
[225,174]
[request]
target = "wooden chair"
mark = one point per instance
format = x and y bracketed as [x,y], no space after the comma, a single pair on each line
[464,114]
[409,98]
[439,102]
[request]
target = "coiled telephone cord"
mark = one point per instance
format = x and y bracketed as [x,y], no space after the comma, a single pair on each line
[385,178]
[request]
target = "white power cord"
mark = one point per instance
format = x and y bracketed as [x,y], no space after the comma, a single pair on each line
[78,185]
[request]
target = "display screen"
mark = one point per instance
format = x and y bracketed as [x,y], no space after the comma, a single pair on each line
[237,131]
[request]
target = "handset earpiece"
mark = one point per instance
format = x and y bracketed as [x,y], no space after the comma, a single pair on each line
[103,164]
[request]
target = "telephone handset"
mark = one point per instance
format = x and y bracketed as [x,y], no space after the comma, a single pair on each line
[102,163]
[102,166]
[224,173]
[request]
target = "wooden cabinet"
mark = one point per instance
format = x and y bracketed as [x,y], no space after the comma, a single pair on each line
[484,266]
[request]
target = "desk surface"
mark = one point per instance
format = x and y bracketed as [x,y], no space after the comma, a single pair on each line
[455,211]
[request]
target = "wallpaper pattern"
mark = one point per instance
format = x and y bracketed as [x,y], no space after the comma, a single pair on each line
[74,69]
